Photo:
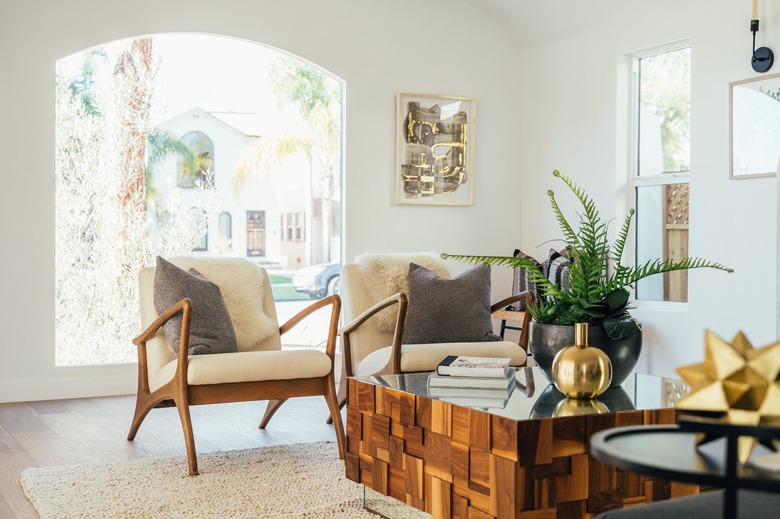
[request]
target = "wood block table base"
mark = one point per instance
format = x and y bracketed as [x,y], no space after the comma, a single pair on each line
[453,461]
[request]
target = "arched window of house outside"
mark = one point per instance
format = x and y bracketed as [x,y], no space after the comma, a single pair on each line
[200,167]
[225,225]
[201,222]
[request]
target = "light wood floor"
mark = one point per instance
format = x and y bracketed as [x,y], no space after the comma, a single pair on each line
[63,432]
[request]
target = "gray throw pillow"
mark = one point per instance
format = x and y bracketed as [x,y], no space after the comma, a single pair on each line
[448,310]
[211,330]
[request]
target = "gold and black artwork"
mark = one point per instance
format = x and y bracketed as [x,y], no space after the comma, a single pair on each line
[435,137]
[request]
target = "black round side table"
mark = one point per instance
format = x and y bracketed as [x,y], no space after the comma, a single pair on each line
[671,452]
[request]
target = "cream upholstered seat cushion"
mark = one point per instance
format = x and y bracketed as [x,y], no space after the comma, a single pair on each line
[247,366]
[425,357]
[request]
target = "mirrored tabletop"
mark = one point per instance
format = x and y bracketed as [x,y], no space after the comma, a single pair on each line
[534,397]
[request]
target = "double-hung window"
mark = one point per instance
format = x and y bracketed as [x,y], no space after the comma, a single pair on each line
[661,169]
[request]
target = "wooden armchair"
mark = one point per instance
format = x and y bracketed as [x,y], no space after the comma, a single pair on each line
[259,370]
[369,349]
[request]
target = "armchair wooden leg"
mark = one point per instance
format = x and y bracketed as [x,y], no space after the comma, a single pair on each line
[335,415]
[342,401]
[189,437]
[273,406]
[142,408]
[341,394]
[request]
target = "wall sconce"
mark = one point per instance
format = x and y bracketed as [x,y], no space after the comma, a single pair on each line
[763,58]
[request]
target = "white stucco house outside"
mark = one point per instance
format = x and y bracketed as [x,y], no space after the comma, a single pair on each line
[270,217]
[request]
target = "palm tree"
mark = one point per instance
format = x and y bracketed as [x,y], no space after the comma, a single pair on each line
[318,99]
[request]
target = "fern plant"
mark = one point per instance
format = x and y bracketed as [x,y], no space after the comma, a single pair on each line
[598,283]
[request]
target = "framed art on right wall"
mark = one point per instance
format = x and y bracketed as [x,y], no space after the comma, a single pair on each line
[435,141]
[754,123]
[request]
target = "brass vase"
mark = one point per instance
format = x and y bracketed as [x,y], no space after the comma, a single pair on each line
[546,340]
[579,407]
[581,371]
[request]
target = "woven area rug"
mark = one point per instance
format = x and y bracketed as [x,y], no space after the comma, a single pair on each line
[301,480]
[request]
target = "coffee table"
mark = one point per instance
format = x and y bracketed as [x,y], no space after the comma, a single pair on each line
[529,459]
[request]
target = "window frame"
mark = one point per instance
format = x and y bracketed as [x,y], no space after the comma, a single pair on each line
[637,181]
[203,246]
[225,223]
[204,176]
[299,227]
[255,229]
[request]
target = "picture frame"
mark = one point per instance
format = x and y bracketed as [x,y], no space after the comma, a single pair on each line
[754,127]
[435,150]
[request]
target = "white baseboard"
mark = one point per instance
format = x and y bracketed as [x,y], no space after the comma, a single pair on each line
[63,388]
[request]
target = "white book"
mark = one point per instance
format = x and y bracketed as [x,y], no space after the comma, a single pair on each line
[436,380]
[464,366]
[469,392]
[465,401]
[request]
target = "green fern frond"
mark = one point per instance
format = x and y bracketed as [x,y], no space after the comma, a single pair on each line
[620,243]
[584,199]
[592,242]
[630,276]
[546,287]
[568,232]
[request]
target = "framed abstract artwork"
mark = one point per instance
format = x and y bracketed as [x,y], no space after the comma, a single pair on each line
[754,117]
[435,147]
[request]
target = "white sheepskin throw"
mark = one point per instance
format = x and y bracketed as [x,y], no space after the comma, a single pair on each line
[241,284]
[386,274]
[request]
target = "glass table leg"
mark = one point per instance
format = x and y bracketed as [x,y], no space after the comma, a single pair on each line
[389,507]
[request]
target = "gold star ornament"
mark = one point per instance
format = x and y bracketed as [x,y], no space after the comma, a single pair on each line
[737,382]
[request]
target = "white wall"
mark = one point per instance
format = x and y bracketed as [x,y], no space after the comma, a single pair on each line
[575,120]
[379,48]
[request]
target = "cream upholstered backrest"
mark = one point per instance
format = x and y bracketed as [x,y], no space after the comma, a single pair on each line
[367,281]
[355,300]
[247,292]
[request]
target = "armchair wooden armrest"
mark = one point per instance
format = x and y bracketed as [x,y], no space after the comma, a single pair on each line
[185,307]
[335,301]
[526,296]
[402,301]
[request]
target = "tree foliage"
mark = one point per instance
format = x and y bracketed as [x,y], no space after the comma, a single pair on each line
[318,134]
[666,91]
[101,225]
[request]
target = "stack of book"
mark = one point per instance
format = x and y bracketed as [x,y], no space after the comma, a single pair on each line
[473,381]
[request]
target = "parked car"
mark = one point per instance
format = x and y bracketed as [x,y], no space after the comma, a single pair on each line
[318,281]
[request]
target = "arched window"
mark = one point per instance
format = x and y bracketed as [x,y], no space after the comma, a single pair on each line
[129,180]
[225,225]
[201,222]
[199,166]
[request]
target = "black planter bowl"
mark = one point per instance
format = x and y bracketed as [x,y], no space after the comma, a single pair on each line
[546,340]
